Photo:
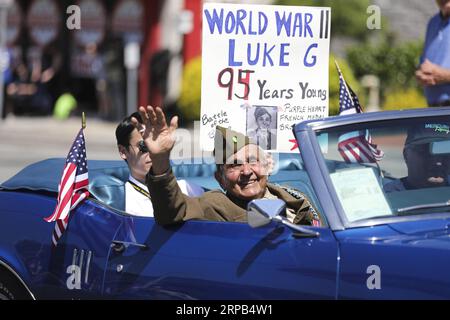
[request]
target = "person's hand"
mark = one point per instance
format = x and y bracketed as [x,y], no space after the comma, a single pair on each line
[47,75]
[424,79]
[430,74]
[157,135]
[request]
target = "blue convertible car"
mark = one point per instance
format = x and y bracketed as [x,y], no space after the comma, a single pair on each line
[386,236]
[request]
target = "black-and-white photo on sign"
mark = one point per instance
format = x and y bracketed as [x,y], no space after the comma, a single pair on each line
[262,126]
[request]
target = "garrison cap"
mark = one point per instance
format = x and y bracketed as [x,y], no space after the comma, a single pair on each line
[227,142]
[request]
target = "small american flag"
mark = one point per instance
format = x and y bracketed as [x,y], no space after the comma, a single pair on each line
[73,187]
[355,146]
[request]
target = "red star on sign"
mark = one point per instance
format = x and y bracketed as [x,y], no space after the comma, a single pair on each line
[295,146]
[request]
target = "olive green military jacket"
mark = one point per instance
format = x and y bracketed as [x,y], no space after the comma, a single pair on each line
[171,206]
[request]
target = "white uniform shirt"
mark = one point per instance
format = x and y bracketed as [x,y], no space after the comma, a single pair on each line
[139,204]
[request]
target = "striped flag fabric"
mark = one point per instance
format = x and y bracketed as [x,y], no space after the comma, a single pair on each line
[355,146]
[73,187]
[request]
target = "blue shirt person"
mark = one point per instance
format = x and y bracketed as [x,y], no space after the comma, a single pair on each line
[434,70]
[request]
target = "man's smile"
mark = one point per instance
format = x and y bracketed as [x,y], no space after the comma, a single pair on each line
[247,183]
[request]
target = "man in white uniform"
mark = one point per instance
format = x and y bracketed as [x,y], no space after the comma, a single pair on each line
[132,149]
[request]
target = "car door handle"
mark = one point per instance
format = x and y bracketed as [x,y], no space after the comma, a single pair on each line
[297,234]
[120,246]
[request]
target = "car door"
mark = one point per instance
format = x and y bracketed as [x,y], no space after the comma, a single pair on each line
[220,260]
[77,263]
[400,260]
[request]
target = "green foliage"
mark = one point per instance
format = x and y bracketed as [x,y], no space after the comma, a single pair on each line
[394,65]
[190,97]
[334,83]
[404,99]
[348,17]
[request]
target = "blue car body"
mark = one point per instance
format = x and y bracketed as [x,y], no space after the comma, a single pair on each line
[106,253]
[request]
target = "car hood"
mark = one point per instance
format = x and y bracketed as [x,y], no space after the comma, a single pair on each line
[424,233]
[421,226]
[419,233]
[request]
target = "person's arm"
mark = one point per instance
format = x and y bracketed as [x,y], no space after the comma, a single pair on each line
[160,139]
[442,75]
[430,74]
[170,205]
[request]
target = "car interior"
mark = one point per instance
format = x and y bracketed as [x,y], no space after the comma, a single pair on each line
[107,178]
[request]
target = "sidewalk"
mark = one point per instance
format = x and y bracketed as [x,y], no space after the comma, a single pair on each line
[24,140]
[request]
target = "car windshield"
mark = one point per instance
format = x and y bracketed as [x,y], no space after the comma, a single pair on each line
[389,168]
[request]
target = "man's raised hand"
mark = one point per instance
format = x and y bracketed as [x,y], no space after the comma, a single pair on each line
[158,136]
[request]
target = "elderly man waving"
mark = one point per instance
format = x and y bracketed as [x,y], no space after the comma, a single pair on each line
[241,172]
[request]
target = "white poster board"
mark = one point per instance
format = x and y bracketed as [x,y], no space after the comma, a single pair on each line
[264,69]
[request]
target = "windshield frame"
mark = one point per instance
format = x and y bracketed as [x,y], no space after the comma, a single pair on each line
[306,133]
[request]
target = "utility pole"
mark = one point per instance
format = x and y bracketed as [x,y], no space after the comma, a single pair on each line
[132,60]
[4,5]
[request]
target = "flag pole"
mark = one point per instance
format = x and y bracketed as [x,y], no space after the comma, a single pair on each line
[340,72]
[83,120]
[379,168]
[337,66]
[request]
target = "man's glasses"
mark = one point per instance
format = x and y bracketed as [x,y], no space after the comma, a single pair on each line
[142,147]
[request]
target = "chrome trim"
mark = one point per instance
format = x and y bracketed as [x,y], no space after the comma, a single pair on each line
[129,243]
[75,256]
[88,264]
[81,259]
[425,206]
[304,232]
[18,278]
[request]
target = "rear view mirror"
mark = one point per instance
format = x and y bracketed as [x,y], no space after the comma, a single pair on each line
[440,147]
[260,212]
